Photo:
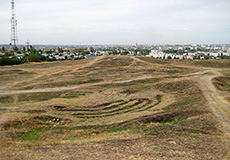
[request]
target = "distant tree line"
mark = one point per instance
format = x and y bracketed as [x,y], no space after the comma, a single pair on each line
[33,56]
[5,60]
[9,61]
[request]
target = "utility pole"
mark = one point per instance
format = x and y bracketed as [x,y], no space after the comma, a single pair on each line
[28,44]
[14,36]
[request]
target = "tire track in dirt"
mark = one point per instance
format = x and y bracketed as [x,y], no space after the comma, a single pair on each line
[90,63]
[217,103]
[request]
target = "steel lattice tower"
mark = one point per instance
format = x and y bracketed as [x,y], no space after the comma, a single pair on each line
[14,36]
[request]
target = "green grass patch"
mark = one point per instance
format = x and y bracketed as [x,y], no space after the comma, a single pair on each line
[44,120]
[151,80]
[140,87]
[18,127]
[115,129]
[174,119]
[15,71]
[150,130]
[26,73]
[74,95]
[6,99]
[178,104]
[32,135]
[187,101]
[65,128]
[213,63]
[47,96]
[113,86]
[95,81]
[35,111]
[40,96]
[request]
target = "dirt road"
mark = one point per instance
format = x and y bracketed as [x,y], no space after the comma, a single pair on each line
[217,103]
[59,89]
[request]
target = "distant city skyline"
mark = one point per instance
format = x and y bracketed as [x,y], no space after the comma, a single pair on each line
[118,22]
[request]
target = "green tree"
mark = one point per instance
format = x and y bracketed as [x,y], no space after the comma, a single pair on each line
[3,49]
[32,58]
[9,61]
[24,49]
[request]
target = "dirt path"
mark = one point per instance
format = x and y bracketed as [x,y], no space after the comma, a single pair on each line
[142,61]
[90,63]
[217,103]
[59,89]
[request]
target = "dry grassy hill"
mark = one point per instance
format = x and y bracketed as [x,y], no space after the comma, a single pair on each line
[115,107]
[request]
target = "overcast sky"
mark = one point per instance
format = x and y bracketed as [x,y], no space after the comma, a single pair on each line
[118,21]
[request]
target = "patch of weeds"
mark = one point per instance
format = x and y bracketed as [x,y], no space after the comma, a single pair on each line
[70,83]
[113,86]
[44,120]
[187,101]
[140,87]
[138,129]
[23,126]
[169,109]
[15,71]
[173,71]
[6,99]
[26,73]
[174,119]
[83,135]
[197,132]
[171,88]
[212,63]
[39,96]
[70,96]
[115,129]
[180,103]
[46,96]
[18,127]
[151,80]
[35,111]
[95,80]
[32,135]
[156,129]
[65,127]
[158,97]
[150,130]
